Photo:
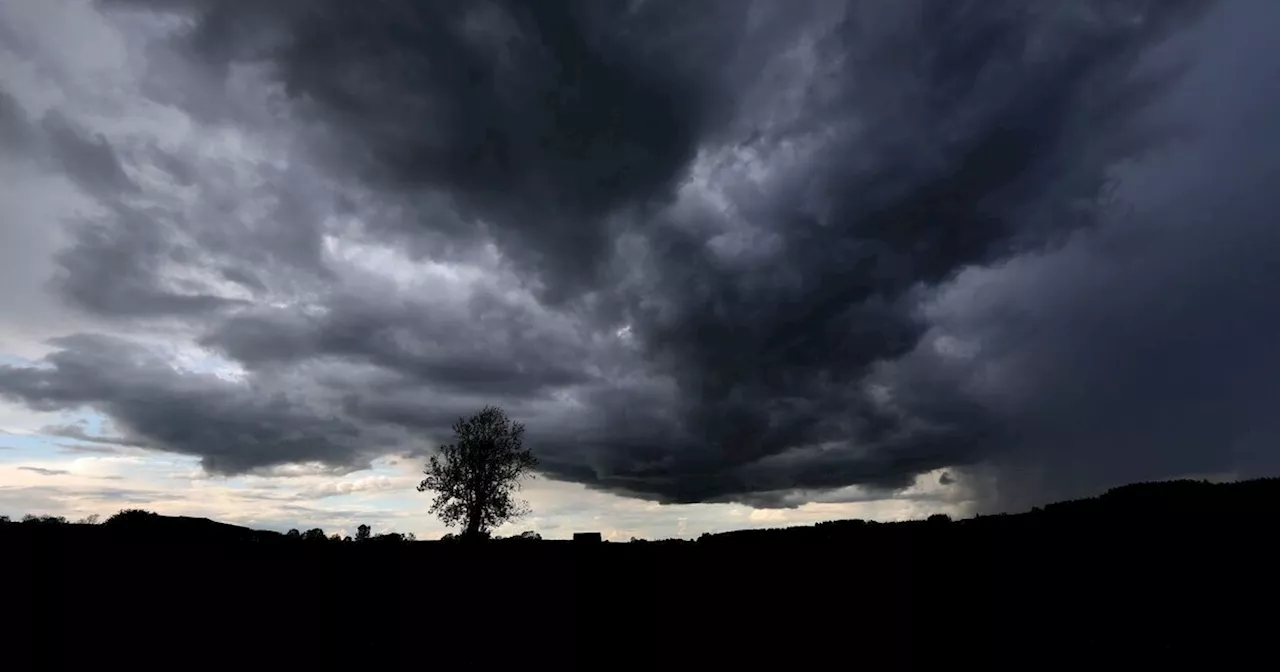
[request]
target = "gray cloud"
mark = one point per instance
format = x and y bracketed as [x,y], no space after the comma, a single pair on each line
[232,427]
[79,433]
[15,131]
[51,498]
[87,159]
[324,490]
[45,472]
[114,269]
[729,252]
[80,448]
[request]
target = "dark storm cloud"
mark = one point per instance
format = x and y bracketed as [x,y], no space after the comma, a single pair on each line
[232,427]
[112,269]
[1145,349]
[482,345]
[863,154]
[165,257]
[114,266]
[768,355]
[542,117]
[285,237]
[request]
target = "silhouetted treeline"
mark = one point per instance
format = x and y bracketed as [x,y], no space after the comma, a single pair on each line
[1143,576]
[142,525]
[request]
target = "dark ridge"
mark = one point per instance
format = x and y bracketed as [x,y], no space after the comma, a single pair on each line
[1150,574]
[1189,500]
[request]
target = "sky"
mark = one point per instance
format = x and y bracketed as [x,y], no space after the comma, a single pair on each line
[732,263]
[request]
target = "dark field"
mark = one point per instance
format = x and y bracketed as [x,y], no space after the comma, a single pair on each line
[1156,574]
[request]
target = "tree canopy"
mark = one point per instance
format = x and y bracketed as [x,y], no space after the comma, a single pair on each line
[474,477]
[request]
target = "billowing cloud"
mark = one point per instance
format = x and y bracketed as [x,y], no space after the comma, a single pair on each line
[715,251]
[232,426]
[85,158]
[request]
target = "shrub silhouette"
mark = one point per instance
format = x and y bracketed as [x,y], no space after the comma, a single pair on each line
[46,520]
[131,518]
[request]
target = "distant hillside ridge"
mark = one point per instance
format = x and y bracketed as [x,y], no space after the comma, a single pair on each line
[1155,504]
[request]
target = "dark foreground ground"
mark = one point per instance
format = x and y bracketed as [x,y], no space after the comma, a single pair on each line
[1144,577]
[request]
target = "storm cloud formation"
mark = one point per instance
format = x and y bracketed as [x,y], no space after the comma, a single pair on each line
[711,251]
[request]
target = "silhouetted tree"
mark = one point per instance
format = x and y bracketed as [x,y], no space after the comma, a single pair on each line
[131,518]
[363,533]
[91,519]
[293,534]
[313,534]
[474,477]
[44,520]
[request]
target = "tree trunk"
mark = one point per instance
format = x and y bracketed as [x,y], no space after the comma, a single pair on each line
[473,513]
[473,523]
[477,500]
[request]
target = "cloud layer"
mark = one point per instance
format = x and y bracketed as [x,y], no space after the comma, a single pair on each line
[714,251]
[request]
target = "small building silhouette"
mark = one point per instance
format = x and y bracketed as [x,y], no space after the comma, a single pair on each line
[593,537]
